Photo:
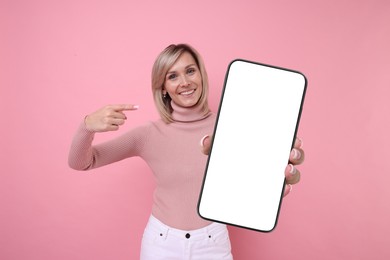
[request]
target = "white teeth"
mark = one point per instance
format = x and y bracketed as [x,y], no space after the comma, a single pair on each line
[187,92]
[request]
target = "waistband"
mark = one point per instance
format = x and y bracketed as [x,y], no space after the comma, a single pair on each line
[155,225]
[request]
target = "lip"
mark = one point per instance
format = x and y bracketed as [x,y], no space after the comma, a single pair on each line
[187,92]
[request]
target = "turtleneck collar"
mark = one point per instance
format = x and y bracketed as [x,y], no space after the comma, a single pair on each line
[187,114]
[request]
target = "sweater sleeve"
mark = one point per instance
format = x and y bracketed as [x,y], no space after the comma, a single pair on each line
[83,155]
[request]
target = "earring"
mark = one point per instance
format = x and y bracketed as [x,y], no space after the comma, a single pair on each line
[165,95]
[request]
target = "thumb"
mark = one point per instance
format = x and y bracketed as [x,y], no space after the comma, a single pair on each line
[205,142]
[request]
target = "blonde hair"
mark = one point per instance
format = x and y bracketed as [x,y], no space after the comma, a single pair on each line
[163,63]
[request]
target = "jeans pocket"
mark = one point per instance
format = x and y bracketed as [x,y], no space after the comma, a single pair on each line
[148,238]
[220,237]
[154,236]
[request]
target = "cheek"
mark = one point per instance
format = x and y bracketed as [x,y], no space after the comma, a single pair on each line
[170,88]
[199,81]
[167,87]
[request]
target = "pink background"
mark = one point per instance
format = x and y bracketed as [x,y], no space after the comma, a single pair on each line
[60,60]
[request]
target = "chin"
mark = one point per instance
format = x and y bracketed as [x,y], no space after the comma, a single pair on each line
[188,103]
[191,104]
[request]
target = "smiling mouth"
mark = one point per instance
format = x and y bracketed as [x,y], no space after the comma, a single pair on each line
[187,93]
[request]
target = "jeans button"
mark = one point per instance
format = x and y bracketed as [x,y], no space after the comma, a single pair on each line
[188,235]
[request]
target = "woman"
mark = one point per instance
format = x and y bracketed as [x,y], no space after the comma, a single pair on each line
[169,146]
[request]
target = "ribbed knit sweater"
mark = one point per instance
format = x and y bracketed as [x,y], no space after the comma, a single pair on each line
[173,153]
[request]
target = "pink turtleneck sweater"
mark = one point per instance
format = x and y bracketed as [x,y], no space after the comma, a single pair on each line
[173,153]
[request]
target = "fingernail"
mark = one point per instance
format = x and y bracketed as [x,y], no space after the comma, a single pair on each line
[292,169]
[301,142]
[135,106]
[202,140]
[296,154]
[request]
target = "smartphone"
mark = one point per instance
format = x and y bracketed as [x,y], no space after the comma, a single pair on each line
[255,130]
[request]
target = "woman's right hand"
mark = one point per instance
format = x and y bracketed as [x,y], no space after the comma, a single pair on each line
[108,118]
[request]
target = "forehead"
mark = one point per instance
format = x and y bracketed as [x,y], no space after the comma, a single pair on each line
[184,60]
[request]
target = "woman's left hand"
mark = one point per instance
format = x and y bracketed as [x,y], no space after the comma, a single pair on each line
[297,156]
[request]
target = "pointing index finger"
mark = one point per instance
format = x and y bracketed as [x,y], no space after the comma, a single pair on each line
[123,107]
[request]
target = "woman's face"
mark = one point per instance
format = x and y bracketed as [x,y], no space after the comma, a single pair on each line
[183,81]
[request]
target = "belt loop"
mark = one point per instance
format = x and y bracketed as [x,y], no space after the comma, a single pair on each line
[163,233]
[166,233]
[207,231]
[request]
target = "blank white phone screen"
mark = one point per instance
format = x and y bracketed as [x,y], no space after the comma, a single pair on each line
[255,131]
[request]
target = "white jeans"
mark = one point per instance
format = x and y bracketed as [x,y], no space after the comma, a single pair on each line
[163,242]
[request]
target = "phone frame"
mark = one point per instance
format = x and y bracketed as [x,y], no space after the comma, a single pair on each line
[215,131]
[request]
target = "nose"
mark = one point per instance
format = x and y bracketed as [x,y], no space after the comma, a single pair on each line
[184,82]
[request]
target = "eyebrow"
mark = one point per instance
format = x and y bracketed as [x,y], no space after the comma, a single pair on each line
[186,67]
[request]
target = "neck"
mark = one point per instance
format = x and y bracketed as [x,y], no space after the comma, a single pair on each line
[187,114]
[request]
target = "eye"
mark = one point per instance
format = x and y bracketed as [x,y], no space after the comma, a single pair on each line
[172,76]
[191,71]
